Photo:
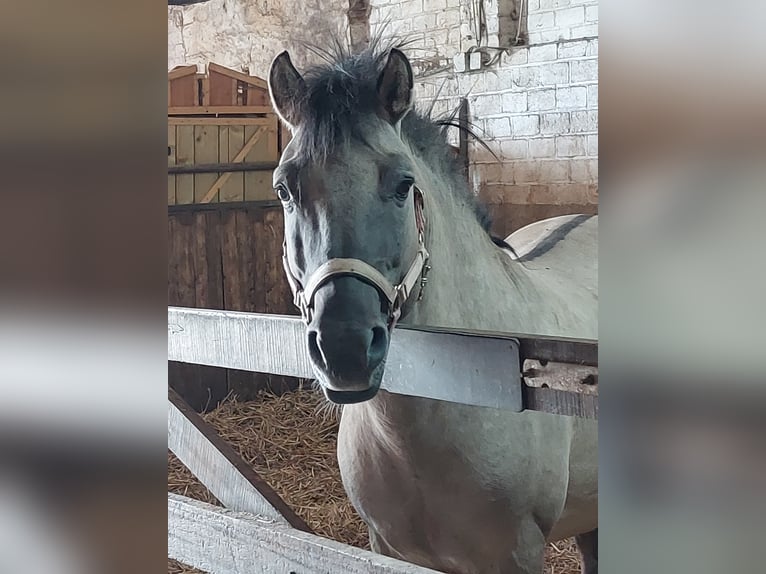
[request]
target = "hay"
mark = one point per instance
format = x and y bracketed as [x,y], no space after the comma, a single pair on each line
[290,440]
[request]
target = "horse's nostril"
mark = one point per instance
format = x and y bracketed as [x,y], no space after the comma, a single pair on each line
[378,346]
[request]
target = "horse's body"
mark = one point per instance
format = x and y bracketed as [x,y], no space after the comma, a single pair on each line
[468,489]
[458,488]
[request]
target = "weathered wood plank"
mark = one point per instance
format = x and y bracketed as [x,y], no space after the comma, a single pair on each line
[226,166]
[184,156]
[258,184]
[205,151]
[558,402]
[209,110]
[212,121]
[253,80]
[222,541]
[171,163]
[229,478]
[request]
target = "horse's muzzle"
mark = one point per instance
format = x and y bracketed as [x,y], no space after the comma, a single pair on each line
[348,341]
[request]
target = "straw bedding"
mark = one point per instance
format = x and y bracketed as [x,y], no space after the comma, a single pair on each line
[290,440]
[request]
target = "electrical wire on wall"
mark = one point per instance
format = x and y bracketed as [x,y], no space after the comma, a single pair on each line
[491,54]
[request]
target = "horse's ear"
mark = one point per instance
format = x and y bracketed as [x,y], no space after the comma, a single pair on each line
[286,86]
[395,87]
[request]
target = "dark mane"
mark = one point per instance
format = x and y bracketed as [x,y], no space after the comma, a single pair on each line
[343,90]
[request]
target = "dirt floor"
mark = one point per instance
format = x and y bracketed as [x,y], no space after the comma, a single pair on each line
[290,440]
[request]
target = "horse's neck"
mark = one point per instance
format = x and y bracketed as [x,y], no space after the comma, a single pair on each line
[472,283]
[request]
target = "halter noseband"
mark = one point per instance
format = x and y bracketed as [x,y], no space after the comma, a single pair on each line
[395,295]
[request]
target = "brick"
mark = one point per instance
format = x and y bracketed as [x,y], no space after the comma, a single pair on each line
[554,170]
[491,82]
[526,172]
[434,5]
[568,194]
[592,145]
[526,77]
[593,96]
[550,4]
[516,194]
[542,147]
[486,173]
[540,21]
[542,100]
[516,57]
[571,97]
[591,13]
[498,127]
[525,125]
[487,105]
[584,170]
[407,8]
[514,102]
[570,146]
[583,71]
[553,74]
[586,121]
[570,17]
[554,124]
[542,53]
[543,36]
[585,31]
[424,22]
[576,49]
[448,18]
[514,149]
[592,47]
[533,6]
[492,193]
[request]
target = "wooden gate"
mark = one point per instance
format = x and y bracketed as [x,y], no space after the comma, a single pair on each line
[224,139]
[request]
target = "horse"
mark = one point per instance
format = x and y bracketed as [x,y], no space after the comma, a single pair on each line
[380,229]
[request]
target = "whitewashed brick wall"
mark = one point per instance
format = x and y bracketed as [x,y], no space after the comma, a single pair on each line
[246,34]
[537,107]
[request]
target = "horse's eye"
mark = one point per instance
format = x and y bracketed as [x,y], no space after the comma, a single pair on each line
[404,187]
[282,193]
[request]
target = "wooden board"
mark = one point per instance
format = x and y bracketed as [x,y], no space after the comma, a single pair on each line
[207,109]
[221,541]
[223,88]
[229,478]
[184,156]
[253,80]
[225,121]
[171,162]
[258,184]
[234,188]
[205,151]
[183,91]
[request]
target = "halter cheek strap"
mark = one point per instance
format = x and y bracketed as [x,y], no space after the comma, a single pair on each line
[395,295]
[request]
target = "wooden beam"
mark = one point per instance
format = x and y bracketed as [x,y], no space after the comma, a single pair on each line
[216,110]
[223,167]
[221,181]
[181,72]
[558,402]
[220,541]
[224,206]
[231,480]
[214,121]
[252,80]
